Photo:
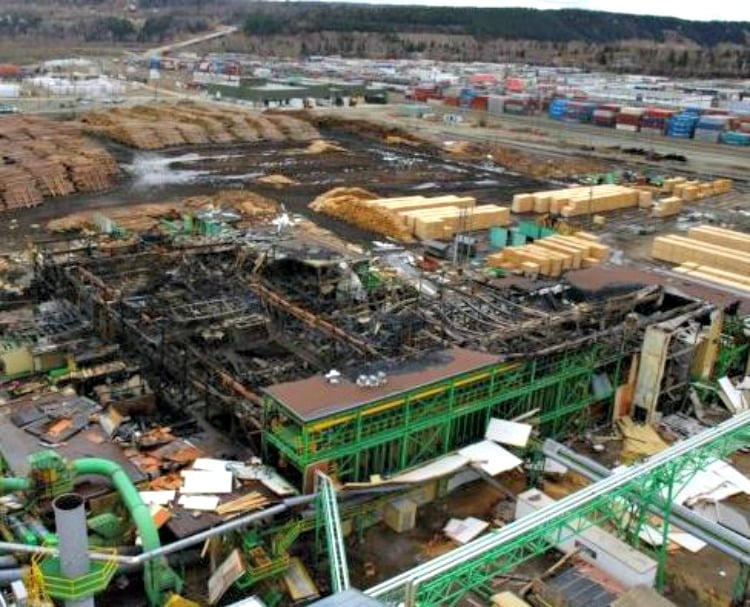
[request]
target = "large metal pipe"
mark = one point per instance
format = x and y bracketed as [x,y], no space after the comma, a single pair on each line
[724,540]
[187,542]
[70,522]
[11,575]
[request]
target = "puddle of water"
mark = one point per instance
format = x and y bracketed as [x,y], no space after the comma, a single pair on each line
[486,182]
[425,186]
[150,169]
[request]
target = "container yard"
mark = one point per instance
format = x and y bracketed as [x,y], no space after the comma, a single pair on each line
[272,351]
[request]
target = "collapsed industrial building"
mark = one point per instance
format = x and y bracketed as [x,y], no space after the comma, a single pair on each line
[302,368]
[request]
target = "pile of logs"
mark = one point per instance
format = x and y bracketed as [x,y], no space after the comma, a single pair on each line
[164,126]
[41,158]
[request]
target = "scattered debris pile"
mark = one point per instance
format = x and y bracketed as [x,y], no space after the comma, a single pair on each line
[320,146]
[163,126]
[141,218]
[558,167]
[276,179]
[348,204]
[552,255]
[42,158]
[709,253]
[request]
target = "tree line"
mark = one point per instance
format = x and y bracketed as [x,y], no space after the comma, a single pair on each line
[272,18]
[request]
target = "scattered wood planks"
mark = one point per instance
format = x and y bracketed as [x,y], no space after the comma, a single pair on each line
[251,501]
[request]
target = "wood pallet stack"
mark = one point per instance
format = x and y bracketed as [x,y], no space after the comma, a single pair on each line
[710,253]
[581,200]
[41,158]
[163,126]
[552,255]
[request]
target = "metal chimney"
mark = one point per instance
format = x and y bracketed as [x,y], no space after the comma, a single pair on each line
[70,523]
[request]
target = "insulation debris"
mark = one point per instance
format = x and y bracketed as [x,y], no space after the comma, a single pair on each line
[490,457]
[463,531]
[202,481]
[639,440]
[508,432]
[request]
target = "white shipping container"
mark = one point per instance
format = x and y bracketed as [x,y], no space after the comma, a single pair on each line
[633,128]
[9,90]
[595,545]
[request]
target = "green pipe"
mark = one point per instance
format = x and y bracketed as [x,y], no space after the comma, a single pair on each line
[10,484]
[159,577]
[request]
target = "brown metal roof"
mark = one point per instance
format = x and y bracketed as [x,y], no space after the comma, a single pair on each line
[315,398]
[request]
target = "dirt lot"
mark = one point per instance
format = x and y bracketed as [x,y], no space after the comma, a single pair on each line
[386,169]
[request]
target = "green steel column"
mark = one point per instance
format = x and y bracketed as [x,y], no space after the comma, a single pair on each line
[740,594]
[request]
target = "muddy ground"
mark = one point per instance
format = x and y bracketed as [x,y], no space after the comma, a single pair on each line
[385,169]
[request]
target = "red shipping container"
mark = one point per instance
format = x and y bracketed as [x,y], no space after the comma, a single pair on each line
[451,101]
[479,103]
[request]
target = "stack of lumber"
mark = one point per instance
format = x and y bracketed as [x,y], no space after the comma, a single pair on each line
[713,254]
[433,218]
[722,237]
[581,200]
[41,158]
[666,207]
[552,255]
[740,282]
[441,217]
[689,191]
[163,126]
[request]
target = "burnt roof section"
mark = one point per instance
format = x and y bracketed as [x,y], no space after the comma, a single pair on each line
[314,398]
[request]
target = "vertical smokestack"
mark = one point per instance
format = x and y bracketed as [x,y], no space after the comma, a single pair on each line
[70,522]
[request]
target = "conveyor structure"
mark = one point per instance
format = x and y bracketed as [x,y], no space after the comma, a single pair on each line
[446,579]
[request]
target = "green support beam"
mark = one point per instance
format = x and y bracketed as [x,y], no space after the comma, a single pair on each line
[444,580]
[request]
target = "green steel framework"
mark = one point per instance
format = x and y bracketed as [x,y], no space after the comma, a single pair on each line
[401,431]
[446,585]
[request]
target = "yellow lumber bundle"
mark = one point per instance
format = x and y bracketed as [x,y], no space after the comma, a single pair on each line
[739,282]
[680,250]
[721,237]
[551,256]
[666,207]
[438,217]
[690,191]
[581,200]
